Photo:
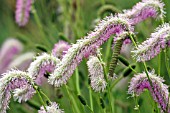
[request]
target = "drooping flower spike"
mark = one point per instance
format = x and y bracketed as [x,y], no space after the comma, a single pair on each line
[52,108]
[60,49]
[22,13]
[96,74]
[42,66]
[153,45]
[17,82]
[10,48]
[87,46]
[144,10]
[160,93]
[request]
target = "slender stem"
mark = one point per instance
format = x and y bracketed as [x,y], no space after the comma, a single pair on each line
[133,40]
[69,96]
[167,62]
[160,55]
[116,81]
[132,69]
[91,99]
[89,108]
[77,82]
[41,99]
[110,99]
[108,87]
[136,102]
[41,92]
[159,64]
[108,50]
[146,71]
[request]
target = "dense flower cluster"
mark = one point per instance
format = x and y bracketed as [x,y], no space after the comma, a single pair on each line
[96,74]
[153,45]
[52,108]
[87,46]
[43,64]
[22,13]
[17,82]
[159,92]
[144,10]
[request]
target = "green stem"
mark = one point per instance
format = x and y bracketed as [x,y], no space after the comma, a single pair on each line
[41,92]
[110,99]
[116,81]
[91,99]
[89,108]
[77,82]
[159,64]
[167,62]
[160,55]
[132,69]
[136,102]
[72,101]
[108,50]
[146,71]
[41,99]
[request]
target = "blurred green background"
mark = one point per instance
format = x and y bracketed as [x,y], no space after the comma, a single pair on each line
[70,20]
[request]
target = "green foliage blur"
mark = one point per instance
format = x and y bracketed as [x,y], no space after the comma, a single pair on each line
[71,20]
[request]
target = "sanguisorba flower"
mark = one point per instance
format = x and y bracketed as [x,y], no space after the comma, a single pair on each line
[87,46]
[22,12]
[96,74]
[10,48]
[17,82]
[42,66]
[60,49]
[159,92]
[153,45]
[144,10]
[52,108]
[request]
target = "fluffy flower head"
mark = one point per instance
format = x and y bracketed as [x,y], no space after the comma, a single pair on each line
[15,81]
[87,46]
[160,94]
[144,10]
[96,74]
[153,45]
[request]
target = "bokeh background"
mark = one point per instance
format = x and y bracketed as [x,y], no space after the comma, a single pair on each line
[70,20]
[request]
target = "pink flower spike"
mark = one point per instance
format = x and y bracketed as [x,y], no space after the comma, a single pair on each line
[22,12]
[160,93]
